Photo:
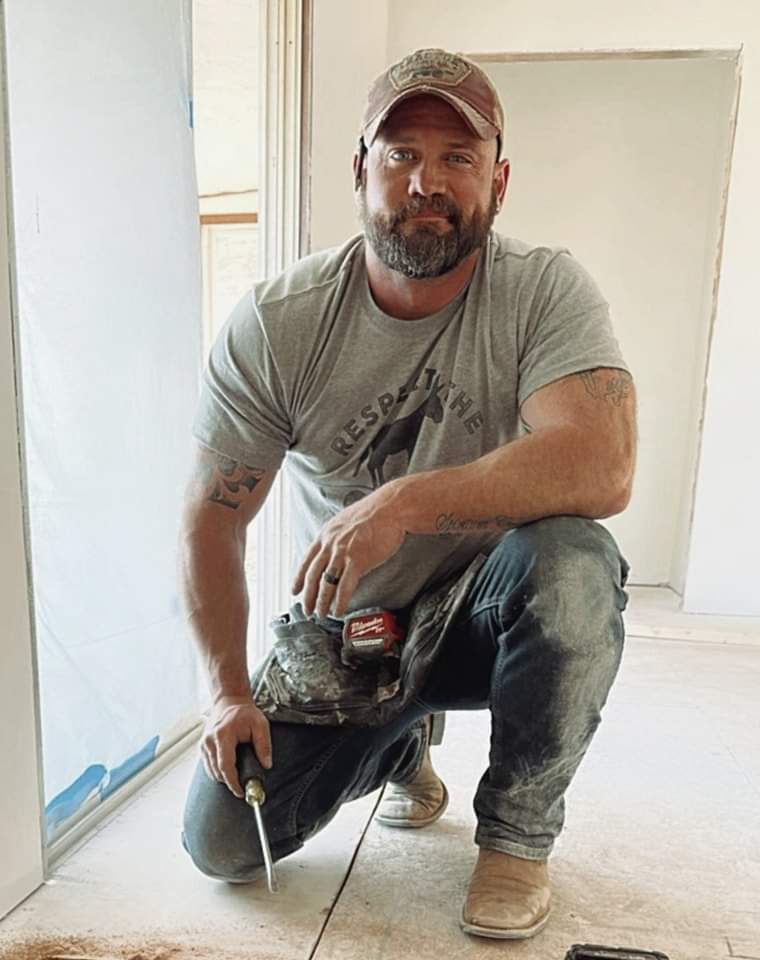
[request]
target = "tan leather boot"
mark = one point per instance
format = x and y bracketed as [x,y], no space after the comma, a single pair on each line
[417,803]
[508,899]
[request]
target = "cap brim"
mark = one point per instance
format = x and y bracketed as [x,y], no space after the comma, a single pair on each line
[481,127]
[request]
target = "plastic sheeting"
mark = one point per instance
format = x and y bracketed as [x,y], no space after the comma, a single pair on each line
[106,220]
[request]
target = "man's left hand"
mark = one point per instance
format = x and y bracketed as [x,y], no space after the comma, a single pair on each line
[353,542]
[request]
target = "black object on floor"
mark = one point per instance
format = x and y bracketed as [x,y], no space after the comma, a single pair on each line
[592,951]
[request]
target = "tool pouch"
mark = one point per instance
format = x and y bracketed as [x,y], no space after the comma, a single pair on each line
[304,680]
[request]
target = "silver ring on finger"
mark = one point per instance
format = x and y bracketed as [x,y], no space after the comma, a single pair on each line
[332,577]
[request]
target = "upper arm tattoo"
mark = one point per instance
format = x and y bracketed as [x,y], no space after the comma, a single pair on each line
[612,386]
[227,481]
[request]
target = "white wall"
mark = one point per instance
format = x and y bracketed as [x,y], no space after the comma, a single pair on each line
[720,577]
[349,51]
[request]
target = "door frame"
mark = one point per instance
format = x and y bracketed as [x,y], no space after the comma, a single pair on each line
[285,138]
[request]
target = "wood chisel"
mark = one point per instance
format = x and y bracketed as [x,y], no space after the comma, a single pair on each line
[252,782]
[595,951]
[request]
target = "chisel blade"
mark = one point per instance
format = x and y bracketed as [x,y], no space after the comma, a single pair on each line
[254,796]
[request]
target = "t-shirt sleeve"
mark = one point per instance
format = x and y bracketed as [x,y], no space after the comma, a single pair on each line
[567,329]
[241,410]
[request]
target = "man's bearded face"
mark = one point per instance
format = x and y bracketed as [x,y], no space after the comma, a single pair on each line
[418,249]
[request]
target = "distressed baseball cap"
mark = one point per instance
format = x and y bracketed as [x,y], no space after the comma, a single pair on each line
[455,79]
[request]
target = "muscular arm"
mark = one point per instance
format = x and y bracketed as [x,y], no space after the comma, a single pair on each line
[578,459]
[222,498]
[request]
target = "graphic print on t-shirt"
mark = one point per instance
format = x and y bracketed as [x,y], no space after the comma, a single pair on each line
[398,435]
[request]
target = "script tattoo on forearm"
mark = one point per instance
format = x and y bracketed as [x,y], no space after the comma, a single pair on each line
[230,481]
[451,523]
[612,387]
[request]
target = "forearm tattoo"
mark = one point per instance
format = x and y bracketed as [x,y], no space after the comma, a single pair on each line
[451,523]
[612,386]
[229,482]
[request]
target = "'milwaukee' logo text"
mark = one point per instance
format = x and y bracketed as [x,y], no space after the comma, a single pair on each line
[430,381]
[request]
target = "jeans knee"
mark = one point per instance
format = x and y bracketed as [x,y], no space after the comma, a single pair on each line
[223,858]
[571,581]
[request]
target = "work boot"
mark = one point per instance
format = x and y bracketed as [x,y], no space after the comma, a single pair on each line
[420,801]
[508,898]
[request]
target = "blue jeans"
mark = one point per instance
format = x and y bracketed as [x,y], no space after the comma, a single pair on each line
[538,642]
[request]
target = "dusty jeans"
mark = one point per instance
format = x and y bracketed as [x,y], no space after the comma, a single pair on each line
[538,642]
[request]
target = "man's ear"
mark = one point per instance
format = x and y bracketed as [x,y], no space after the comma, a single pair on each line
[500,181]
[358,164]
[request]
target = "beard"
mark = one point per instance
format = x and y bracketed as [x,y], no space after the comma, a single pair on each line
[424,251]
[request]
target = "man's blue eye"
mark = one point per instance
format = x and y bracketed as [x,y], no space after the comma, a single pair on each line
[401,154]
[459,158]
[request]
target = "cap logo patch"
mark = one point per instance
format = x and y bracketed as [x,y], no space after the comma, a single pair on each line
[433,66]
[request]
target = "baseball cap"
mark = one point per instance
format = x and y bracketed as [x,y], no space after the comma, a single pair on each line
[455,79]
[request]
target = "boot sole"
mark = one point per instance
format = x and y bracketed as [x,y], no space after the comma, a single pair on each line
[417,824]
[496,933]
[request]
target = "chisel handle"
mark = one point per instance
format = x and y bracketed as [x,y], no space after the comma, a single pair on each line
[248,766]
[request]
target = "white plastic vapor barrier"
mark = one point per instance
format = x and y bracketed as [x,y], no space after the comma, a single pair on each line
[109,313]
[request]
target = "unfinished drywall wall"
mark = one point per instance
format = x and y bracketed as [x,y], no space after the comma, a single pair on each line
[621,160]
[719,578]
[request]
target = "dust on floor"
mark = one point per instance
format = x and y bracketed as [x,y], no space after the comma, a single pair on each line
[79,948]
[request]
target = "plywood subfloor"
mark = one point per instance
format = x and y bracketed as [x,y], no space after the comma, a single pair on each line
[661,848]
[132,892]
[662,843]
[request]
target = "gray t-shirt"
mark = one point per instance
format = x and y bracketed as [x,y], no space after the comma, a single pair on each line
[310,370]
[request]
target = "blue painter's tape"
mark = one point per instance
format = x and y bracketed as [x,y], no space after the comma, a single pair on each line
[96,778]
[119,775]
[68,801]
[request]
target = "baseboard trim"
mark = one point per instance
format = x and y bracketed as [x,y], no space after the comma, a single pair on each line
[686,635]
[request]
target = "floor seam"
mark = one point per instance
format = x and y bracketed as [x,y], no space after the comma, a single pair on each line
[342,887]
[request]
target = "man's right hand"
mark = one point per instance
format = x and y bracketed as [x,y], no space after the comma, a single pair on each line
[234,720]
